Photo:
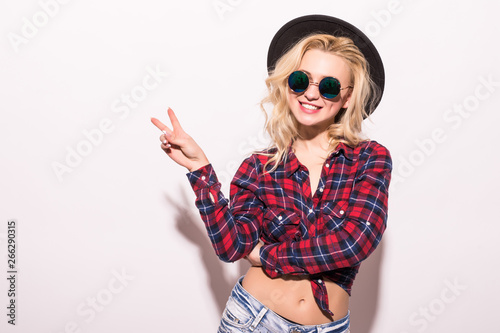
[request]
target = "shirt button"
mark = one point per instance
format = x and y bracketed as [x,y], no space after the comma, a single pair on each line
[341,212]
[203,177]
[320,281]
[368,223]
[310,210]
[280,217]
[327,165]
[321,189]
[276,271]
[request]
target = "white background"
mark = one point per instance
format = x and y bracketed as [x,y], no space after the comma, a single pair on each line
[125,209]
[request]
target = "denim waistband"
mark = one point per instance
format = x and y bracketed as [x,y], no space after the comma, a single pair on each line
[270,318]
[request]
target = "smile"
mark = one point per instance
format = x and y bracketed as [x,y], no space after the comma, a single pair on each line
[309,108]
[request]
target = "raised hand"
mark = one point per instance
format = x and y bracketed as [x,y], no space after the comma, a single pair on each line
[178,145]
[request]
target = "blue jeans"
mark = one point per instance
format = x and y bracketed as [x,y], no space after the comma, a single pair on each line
[243,313]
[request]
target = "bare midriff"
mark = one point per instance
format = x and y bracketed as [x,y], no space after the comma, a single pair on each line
[292,298]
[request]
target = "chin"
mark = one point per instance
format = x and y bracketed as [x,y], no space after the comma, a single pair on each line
[314,119]
[320,125]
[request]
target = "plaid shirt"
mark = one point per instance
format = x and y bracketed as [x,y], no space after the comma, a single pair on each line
[323,235]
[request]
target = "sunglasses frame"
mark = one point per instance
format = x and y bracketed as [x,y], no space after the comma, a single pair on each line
[310,82]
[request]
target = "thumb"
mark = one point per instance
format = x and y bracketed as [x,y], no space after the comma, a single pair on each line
[170,136]
[178,139]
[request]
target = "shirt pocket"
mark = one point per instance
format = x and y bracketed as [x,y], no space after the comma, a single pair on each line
[334,214]
[280,225]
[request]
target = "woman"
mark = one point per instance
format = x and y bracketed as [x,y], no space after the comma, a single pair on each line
[308,210]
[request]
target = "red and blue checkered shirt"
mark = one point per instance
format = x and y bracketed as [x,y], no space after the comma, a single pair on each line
[323,235]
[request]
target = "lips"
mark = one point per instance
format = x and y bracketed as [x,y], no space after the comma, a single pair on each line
[309,108]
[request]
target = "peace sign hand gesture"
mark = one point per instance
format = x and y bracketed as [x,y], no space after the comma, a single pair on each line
[179,146]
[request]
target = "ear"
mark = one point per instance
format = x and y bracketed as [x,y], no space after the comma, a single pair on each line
[347,100]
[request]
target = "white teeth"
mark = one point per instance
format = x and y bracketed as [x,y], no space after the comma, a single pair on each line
[310,107]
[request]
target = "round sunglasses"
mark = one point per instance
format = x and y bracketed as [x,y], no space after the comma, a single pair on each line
[329,87]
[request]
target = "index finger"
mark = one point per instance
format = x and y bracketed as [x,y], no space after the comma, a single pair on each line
[160,125]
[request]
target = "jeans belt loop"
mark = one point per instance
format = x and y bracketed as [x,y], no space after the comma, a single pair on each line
[257,319]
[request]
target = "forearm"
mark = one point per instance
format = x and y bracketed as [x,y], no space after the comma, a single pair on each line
[233,234]
[345,248]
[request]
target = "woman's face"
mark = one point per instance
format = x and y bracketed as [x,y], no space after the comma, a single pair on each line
[309,107]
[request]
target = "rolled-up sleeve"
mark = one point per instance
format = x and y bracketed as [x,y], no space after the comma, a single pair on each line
[233,228]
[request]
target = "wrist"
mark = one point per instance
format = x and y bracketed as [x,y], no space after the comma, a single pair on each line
[197,166]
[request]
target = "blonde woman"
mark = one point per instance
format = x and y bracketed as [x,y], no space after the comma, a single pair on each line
[306,211]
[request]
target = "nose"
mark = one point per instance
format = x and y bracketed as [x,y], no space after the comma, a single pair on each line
[312,92]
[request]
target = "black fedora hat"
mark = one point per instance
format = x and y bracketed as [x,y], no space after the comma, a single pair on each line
[303,26]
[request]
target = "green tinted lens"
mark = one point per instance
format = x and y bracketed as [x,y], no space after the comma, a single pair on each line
[329,87]
[298,81]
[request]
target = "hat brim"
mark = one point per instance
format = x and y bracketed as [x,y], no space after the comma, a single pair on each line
[303,26]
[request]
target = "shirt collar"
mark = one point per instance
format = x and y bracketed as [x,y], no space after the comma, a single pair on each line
[293,163]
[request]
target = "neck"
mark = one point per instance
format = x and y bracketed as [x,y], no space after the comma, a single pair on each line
[311,140]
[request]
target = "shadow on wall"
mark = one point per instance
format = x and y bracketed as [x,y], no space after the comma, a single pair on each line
[365,291]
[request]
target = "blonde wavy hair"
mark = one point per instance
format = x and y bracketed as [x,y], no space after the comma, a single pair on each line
[282,126]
